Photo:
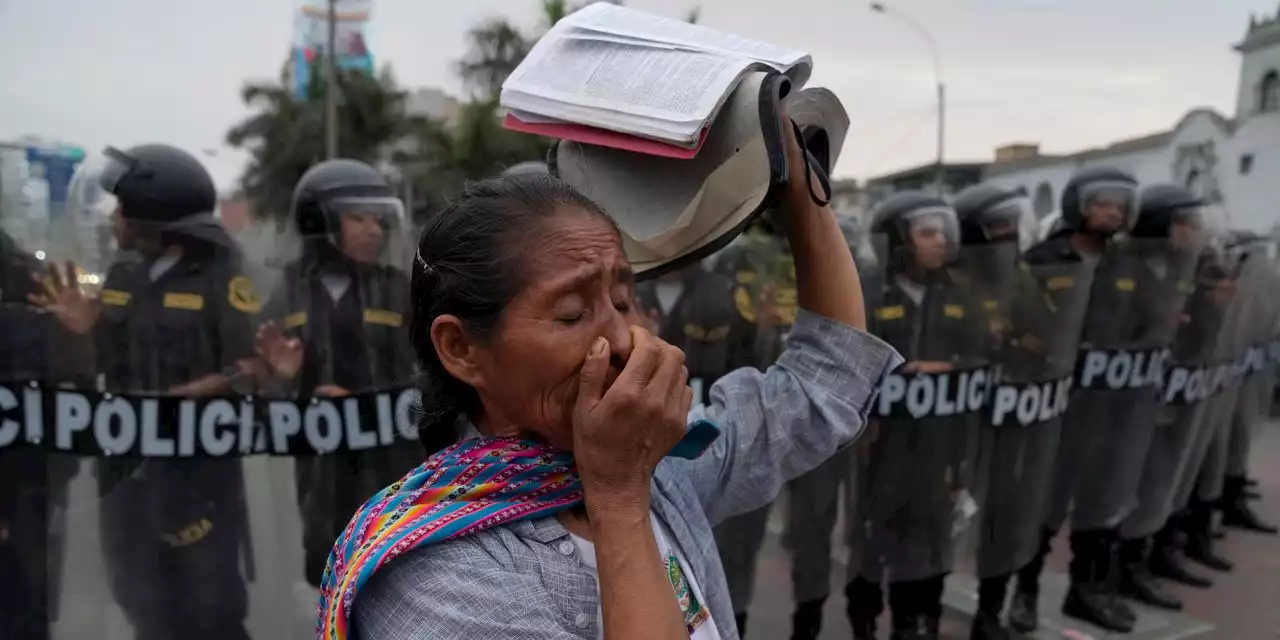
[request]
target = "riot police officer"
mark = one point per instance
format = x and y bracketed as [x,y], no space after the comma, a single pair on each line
[33,483]
[174,318]
[912,467]
[1255,392]
[336,327]
[1129,324]
[762,277]
[1034,316]
[1169,211]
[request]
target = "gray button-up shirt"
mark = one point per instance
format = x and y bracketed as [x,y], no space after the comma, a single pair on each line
[525,580]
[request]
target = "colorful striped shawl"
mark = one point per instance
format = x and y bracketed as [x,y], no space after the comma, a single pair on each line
[474,485]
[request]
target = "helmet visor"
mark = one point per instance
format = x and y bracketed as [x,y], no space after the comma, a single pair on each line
[933,234]
[117,164]
[1010,219]
[1109,205]
[364,228]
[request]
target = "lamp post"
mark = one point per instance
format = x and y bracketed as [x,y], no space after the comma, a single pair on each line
[941,168]
[331,85]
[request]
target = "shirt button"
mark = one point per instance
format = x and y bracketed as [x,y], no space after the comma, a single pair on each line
[566,548]
[582,621]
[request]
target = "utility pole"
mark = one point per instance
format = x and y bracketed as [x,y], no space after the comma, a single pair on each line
[942,124]
[331,85]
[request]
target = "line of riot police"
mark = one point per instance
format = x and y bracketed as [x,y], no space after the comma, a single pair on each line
[1104,380]
[195,546]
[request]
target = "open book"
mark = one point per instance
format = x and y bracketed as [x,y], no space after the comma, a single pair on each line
[635,75]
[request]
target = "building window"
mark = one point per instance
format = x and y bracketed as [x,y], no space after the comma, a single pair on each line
[1246,164]
[1269,92]
[1043,202]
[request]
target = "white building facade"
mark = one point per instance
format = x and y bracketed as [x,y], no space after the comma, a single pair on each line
[1233,162]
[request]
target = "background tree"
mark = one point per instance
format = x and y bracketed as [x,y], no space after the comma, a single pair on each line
[285,133]
[432,159]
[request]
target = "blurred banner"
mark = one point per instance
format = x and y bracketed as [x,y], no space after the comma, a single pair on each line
[311,38]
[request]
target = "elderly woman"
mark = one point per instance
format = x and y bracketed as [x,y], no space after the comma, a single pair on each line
[550,508]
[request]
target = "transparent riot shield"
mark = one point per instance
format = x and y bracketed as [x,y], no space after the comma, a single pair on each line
[752,286]
[1136,299]
[1189,382]
[914,466]
[194,443]
[1235,358]
[1258,383]
[1038,327]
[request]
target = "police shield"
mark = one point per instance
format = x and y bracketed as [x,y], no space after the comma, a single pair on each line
[195,400]
[1194,376]
[939,307]
[1037,327]
[1239,366]
[749,287]
[1136,299]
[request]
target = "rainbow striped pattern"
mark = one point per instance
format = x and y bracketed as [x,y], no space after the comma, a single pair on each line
[474,485]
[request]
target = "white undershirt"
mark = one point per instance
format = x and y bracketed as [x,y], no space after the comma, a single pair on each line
[162,265]
[668,293]
[692,604]
[913,289]
[336,285]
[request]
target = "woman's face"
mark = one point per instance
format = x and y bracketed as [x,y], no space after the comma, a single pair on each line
[578,286]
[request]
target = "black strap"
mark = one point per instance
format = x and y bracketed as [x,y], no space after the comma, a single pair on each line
[812,166]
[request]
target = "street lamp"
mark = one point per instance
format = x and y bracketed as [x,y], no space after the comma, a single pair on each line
[879,7]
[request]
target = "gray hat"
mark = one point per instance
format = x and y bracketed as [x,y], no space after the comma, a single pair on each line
[671,211]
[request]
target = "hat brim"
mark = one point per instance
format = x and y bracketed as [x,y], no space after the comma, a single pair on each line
[672,212]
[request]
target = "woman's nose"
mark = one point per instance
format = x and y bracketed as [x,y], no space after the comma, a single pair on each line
[618,331]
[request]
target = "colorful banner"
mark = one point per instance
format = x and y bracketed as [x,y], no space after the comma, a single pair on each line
[311,38]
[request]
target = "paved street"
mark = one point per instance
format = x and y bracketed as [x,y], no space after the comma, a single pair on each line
[1243,606]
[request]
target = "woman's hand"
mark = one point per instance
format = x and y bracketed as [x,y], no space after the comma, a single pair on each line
[622,433]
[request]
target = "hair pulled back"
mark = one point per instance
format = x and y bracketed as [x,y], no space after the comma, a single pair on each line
[469,262]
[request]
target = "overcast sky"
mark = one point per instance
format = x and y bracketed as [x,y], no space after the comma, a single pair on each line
[1065,73]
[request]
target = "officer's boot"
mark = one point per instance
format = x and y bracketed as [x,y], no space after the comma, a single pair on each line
[905,615]
[1109,576]
[865,601]
[1199,528]
[806,621]
[1024,613]
[986,622]
[1136,580]
[1237,513]
[1089,599]
[1167,560]
[931,606]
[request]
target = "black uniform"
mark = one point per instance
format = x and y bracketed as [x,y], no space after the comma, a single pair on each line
[33,483]
[173,530]
[351,318]
[698,321]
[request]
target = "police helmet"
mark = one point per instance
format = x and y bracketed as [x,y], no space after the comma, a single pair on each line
[989,213]
[157,183]
[1097,185]
[1163,205]
[893,221]
[339,187]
